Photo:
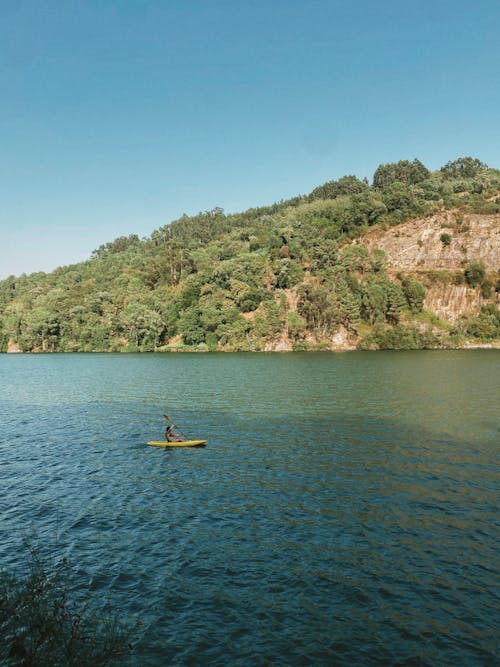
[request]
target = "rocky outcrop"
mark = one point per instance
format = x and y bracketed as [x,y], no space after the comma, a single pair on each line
[418,246]
[449,302]
[446,242]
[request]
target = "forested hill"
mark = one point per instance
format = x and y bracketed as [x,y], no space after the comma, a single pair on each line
[407,261]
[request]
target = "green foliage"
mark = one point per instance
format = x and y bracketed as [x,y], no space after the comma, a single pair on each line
[119,245]
[445,238]
[287,272]
[374,302]
[398,337]
[347,185]
[348,304]
[475,274]
[296,325]
[477,204]
[399,197]
[414,293]
[356,257]
[486,325]
[466,167]
[41,624]
[231,281]
[405,172]
[320,308]
[323,254]
[141,325]
[191,326]
[396,302]
[382,300]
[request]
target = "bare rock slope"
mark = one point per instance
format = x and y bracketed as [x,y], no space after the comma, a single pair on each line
[417,245]
[445,242]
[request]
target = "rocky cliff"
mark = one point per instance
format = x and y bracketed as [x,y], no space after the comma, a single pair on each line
[437,250]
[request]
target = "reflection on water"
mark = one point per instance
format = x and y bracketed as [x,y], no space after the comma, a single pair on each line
[344,511]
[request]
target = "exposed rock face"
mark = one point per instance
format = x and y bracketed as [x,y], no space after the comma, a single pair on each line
[450,301]
[417,245]
[13,348]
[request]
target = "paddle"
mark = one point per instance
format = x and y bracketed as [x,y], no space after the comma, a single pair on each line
[176,427]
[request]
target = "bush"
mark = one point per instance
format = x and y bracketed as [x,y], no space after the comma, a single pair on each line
[467,167]
[40,625]
[475,274]
[347,185]
[414,293]
[486,325]
[404,171]
[398,337]
[486,289]
[445,239]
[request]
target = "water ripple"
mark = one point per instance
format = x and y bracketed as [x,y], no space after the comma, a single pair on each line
[344,512]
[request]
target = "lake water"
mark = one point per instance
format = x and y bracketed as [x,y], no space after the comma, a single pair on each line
[344,511]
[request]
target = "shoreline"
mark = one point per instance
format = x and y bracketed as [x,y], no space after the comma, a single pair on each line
[494,345]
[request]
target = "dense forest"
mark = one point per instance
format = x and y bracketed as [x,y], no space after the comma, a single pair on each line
[295,274]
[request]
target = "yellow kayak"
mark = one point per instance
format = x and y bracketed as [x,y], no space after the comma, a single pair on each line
[184,443]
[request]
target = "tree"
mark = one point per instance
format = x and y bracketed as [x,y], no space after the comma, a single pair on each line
[142,325]
[396,302]
[323,253]
[404,171]
[466,167]
[120,244]
[347,185]
[295,325]
[348,301]
[374,302]
[44,620]
[287,272]
[41,330]
[414,293]
[355,257]
[399,197]
[319,307]
[486,325]
[475,274]
[190,326]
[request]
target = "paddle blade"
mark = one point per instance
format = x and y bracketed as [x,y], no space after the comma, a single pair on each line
[167,417]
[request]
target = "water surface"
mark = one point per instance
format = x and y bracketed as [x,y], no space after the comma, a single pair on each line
[344,511]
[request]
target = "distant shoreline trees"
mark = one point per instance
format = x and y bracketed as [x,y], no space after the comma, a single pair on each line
[295,270]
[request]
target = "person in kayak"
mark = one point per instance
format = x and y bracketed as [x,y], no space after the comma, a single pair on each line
[170,436]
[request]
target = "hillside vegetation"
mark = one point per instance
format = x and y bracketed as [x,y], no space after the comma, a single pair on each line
[406,262]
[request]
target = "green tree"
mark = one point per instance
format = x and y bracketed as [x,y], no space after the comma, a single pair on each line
[348,305]
[347,185]
[408,173]
[414,293]
[142,326]
[287,272]
[323,253]
[475,274]
[41,330]
[396,302]
[399,197]
[319,307]
[296,325]
[191,327]
[486,325]
[466,167]
[374,302]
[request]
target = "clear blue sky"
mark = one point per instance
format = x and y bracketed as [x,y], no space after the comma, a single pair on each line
[117,116]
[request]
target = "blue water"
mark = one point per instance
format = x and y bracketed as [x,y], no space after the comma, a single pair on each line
[344,511]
